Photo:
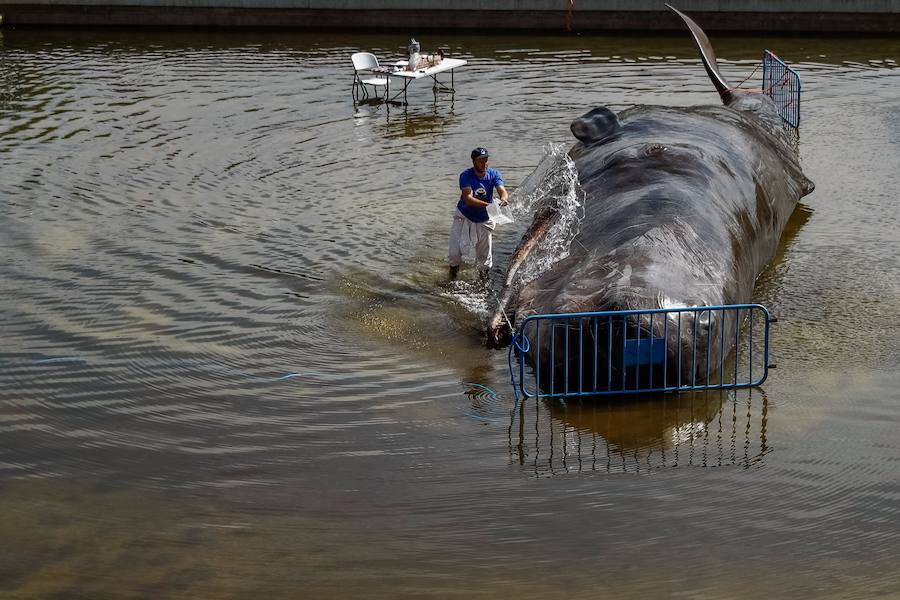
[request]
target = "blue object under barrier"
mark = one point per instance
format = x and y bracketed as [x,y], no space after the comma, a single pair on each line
[782,84]
[654,350]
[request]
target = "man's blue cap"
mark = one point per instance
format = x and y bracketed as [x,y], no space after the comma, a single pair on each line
[479,153]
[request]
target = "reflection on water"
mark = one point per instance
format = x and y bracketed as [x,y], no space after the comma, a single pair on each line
[704,429]
[398,121]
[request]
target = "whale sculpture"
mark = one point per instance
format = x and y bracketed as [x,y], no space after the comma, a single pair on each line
[682,207]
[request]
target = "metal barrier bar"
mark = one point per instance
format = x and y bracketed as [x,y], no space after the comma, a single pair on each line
[751,343]
[694,352]
[666,337]
[636,352]
[624,340]
[552,356]
[609,362]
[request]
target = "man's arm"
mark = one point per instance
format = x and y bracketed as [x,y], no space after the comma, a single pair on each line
[471,200]
[503,194]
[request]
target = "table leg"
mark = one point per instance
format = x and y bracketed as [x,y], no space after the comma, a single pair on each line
[441,87]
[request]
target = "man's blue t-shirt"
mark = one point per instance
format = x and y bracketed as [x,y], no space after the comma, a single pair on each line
[482,189]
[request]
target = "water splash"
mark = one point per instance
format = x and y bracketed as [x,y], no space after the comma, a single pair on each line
[473,296]
[553,182]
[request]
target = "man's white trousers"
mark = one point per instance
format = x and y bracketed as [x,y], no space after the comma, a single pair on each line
[464,234]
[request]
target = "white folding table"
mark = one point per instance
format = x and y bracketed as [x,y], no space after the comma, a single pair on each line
[447,64]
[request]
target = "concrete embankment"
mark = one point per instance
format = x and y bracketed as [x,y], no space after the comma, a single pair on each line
[822,16]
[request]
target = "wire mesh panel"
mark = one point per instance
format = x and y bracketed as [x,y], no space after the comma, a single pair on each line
[659,350]
[782,84]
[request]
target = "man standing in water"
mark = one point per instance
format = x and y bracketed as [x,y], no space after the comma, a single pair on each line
[471,223]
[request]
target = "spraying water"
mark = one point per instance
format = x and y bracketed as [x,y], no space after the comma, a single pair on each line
[554,182]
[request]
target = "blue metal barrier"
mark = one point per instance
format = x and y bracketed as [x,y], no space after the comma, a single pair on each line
[782,84]
[644,351]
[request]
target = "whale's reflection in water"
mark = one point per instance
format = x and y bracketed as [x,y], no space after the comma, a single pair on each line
[625,435]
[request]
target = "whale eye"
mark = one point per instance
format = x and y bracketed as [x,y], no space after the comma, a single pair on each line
[654,149]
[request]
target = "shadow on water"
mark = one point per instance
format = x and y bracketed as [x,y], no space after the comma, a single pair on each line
[425,316]
[701,429]
[769,280]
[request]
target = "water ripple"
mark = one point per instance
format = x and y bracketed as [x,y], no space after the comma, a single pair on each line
[224,278]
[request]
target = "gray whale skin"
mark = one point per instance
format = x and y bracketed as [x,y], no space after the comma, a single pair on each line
[682,207]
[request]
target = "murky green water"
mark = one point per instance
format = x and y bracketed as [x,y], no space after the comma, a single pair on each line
[230,365]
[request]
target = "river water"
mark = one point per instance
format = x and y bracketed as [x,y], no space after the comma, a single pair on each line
[231,366]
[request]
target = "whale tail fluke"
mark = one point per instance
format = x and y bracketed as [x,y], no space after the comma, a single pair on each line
[707,54]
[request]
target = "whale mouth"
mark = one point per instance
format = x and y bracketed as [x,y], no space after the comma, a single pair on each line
[500,331]
[499,337]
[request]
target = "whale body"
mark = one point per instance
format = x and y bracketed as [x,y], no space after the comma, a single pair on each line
[682,207]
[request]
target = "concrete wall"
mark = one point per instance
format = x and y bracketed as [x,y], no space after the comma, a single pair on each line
[580,6]
[854,16]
